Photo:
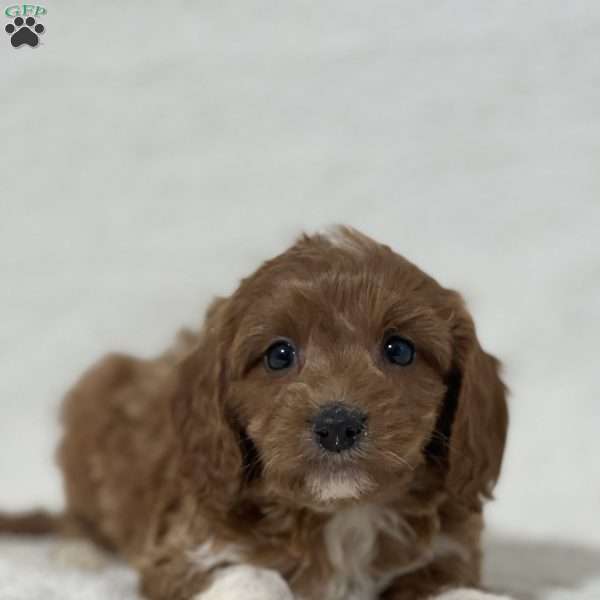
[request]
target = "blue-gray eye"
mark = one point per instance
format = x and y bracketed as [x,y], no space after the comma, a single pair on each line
[281,355]
[398,351]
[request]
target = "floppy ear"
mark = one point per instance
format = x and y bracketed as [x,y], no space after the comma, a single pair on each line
[211,457]
[475,413]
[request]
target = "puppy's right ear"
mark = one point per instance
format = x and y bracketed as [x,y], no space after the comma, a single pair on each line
[211,458]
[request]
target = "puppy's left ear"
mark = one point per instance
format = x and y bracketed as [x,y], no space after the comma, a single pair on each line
[480,423]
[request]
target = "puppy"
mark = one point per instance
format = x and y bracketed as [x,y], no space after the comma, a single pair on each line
[330,434]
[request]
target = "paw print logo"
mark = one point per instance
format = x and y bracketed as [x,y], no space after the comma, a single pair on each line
[24,32]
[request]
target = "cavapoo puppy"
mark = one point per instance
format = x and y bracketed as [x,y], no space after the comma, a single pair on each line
[330,434]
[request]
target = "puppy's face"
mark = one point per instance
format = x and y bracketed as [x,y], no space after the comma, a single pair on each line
[341,364]
[335,361]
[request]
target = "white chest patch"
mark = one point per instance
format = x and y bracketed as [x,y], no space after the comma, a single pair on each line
[207,557]
[351,541]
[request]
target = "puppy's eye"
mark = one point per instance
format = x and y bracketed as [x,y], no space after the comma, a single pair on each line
[398,351]
[281,355]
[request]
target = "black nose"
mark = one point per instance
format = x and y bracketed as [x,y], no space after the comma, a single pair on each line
[338,428]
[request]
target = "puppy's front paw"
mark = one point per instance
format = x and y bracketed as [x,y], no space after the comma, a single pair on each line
[468,594]
[79,554]
[243,582]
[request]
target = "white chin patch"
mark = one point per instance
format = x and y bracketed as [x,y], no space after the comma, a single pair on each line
[339,487]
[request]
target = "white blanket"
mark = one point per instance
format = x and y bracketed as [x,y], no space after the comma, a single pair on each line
[53,570]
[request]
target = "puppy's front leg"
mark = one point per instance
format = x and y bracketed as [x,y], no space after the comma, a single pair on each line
[447,578]
[178,578]
[457,593]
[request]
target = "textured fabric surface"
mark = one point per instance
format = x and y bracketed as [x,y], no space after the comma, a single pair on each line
[153,154]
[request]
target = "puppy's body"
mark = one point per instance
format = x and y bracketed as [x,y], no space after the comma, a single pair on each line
[205,468]
[120,459]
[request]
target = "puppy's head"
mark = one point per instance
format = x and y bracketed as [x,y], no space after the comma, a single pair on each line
[339,372]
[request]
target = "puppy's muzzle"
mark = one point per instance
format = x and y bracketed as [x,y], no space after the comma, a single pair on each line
[338,428]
